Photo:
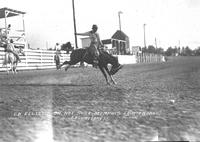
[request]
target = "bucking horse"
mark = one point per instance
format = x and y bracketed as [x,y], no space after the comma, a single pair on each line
[82,55]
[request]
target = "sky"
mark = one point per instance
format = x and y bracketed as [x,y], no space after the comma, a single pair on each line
[170,22]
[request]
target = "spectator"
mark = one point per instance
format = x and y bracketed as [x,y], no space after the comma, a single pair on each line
[57,58]
[57,47]
[1,37]
[8,29]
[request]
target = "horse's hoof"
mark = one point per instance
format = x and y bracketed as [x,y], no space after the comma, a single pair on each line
[108,83]
[59,67]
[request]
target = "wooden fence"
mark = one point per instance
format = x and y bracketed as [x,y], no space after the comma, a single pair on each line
[35,59]
[149,58]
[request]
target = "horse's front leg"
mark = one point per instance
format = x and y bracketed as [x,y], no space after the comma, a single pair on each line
[102,70]
[111,77]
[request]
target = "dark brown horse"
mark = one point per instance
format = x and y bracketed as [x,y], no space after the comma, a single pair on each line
[82,55]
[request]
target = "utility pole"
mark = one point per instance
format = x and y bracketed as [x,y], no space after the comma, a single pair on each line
[144,36]
[156,43]
[179,48]
[76,46]
[179,43]
[119,20]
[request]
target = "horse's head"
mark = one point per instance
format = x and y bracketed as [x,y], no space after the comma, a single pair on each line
[21,51]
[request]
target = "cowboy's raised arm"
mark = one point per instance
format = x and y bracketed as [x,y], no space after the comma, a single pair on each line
[84,34]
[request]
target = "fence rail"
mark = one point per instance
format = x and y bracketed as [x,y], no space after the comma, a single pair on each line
[149,58]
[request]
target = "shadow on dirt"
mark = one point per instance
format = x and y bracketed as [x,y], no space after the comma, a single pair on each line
[42,85]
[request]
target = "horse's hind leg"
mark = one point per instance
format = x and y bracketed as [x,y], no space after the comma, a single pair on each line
[102,70]
[69,63]
[64,63]
[67,67]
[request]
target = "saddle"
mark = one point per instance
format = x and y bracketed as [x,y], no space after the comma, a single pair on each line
[88,53]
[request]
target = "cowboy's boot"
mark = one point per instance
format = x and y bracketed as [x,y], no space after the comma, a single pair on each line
[18,59]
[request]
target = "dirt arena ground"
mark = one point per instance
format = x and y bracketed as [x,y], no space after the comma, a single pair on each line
[151,102]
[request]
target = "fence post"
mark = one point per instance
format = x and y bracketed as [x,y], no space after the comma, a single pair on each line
[153,57]
[142,58]
[53,53]
[157,57]
[41,58]
[150,57]
[25,58]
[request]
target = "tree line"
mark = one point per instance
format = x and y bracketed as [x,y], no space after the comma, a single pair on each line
[172,51]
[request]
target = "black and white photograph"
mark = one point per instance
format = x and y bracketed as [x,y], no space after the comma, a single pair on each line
[99,71]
